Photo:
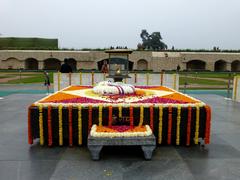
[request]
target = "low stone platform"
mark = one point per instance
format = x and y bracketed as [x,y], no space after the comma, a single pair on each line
[147,143]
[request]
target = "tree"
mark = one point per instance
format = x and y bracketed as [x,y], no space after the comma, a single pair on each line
[152,41]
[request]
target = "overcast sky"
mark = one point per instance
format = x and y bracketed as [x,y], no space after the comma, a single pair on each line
[103,23]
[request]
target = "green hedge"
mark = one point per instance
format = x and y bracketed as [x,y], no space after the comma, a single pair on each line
[28,43]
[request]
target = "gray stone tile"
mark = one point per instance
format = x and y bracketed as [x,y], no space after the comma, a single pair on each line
[164,169]
[214,169]
[232,139]
[37,170]
[165,152]
[76,153]
[9,170]
[122,169]
[18,160]
[87,170]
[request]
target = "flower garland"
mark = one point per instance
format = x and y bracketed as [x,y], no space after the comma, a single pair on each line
[120,111]
[169,125]
[100,115]
[30,139]
[141,115]
[97,131]
[70,130]
[235,88]
[40,108]
[160,124]
[79,124]
[197,125]
[80,78]
[189,125]
[49,126]
[208,125]
[131,116]
[178,124]
[60,131]
[89,118]
[110,116]
[151,117]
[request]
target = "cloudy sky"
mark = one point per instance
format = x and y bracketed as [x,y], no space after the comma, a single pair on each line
[192,24]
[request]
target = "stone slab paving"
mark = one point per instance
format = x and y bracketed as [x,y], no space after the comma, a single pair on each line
[20,161]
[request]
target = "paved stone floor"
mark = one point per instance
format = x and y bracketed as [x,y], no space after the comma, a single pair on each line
[19,161]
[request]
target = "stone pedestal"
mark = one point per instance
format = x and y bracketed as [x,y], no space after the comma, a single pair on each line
[147,143]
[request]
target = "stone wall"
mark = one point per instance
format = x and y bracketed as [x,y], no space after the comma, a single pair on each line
[156,61]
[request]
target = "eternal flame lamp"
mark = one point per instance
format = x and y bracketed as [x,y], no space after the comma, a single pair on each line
[118,64]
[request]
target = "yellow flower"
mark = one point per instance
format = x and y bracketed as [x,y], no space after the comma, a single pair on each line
[60,125]
[197,124]
[160,124]
[40,107]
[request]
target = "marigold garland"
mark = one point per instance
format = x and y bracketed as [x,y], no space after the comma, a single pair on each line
[79,124]
[189,125]
[131,115]
[178,124]
[70,130]
[100,115]
[160,124]
[197,125]
[107,129]
[235,88]
[30,138]
[60,131]
[89,118]
[208,125]
[141,116]
[169,125]
[151,117]
[49,126]
[40,108]
[120,111]
[110,116]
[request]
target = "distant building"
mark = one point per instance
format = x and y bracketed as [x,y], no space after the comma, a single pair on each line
[138,60]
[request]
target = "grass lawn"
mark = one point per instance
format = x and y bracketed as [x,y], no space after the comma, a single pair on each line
[190,79]
[2,77]
[33,78]
[182,80]
[224,75]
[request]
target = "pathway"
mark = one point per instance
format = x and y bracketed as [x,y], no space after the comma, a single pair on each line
[20,161]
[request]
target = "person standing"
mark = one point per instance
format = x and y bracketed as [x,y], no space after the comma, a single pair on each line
[65,68]
[104,68]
